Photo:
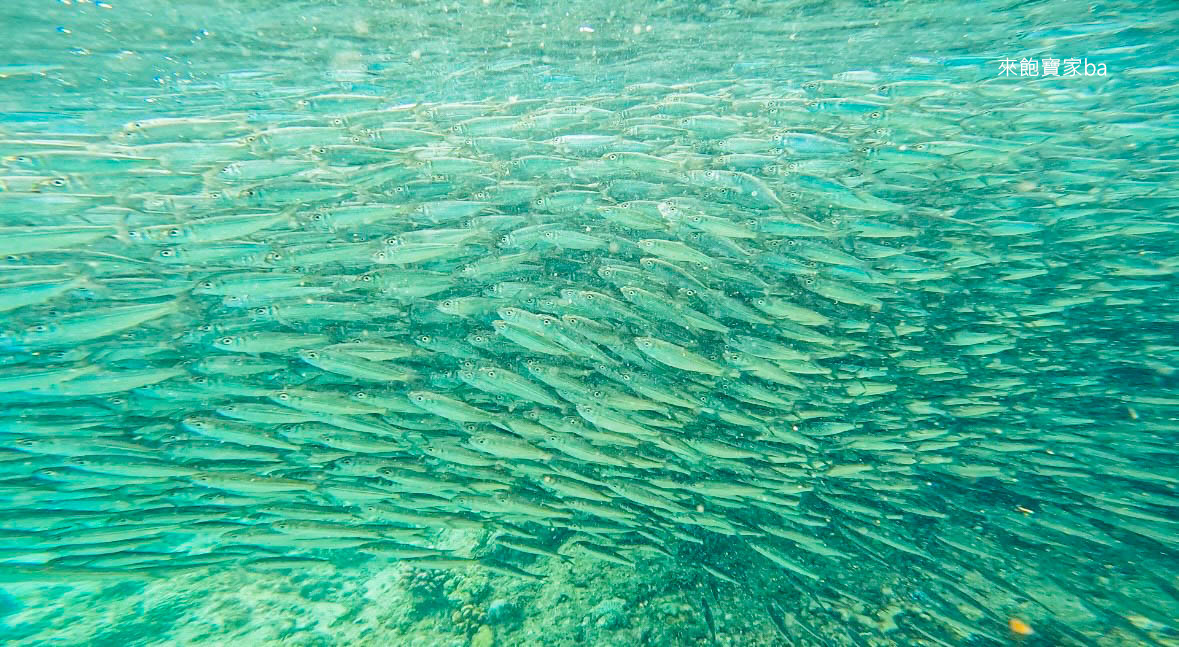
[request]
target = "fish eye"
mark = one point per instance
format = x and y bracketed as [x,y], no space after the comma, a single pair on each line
[312,354]
[216,195]
[875,114]
[250,139]
[40,328]
[425,339]
[174,232]
[367,278]
[284,396]
[206,284]
[808,281]
[360,395]
[612,157]
[919,147]
[167,253]
[225,341]
[380,256]
[419,398]
[57,182]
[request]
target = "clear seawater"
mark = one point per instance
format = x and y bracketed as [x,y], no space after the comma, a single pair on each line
[887,356]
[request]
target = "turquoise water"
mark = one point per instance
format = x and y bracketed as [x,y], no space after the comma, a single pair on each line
[508,323]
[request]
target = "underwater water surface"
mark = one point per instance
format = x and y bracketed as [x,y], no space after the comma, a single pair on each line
[664,323]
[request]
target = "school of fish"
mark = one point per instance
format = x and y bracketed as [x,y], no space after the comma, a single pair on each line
[852,320]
